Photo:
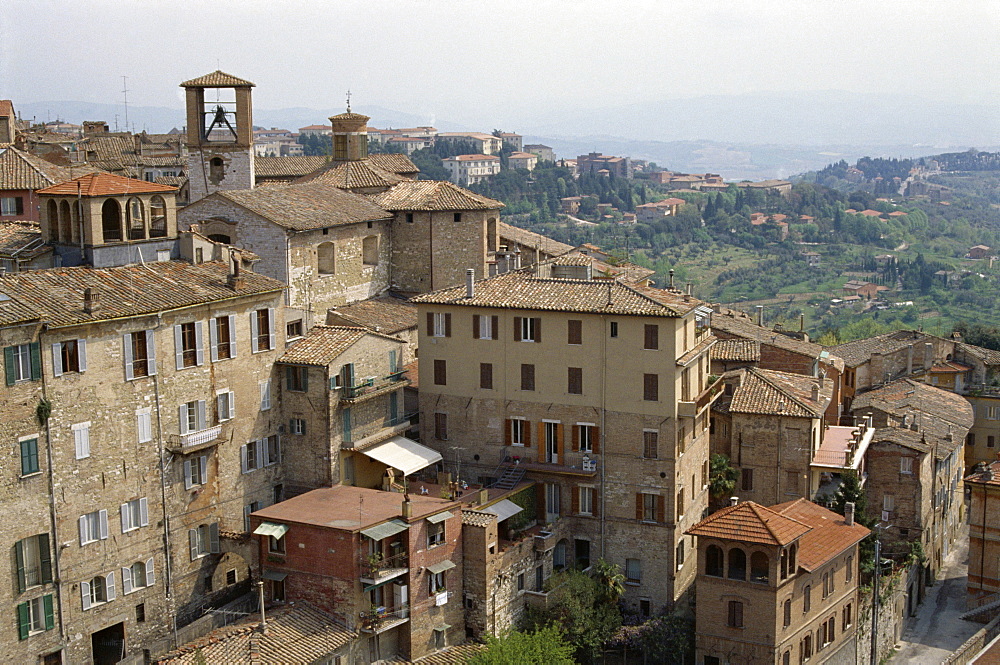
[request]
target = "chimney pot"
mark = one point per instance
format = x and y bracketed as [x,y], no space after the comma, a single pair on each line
[407,508]
[470,283]
[91,300]
[734,500]
[849,513]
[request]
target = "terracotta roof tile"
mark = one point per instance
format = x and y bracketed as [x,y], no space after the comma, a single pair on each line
[21,240]
[521,290]
[743,327]
[985,475]
[385,314]
[433,195]
[413,374]
[56,295]
[217,79]
[736,350]
[394,163]
[323,344]
[361,174]
[456,655]
[477,518]
[945,412]
[288,167]
[829,534]
[526,238]
[296,635]
[22,170]
[302,207]
[105,184]
[750,522]
[768,392]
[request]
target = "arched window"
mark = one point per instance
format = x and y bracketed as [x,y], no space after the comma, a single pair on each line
[370,251]
[136,223]
[788,613]
[65,222]
[559,555]
[157,217]
[759,567]
[111,221]
[784,563]
[326,258]
[792,551]
[737,564]
[713,561]
[53,214]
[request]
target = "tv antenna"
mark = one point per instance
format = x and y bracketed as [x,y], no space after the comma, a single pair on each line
[125,93]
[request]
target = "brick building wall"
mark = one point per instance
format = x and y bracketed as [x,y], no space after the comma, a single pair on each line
[434,251]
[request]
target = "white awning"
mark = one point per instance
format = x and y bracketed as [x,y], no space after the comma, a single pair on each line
[269,529]
[440,566]
[385,529]
[439,517]
[503,509]
[403,454]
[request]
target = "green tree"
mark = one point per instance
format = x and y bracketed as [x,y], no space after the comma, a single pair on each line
[610,581]
[668,639]
[721,477]
[577,604]
[851,490]
[545,646]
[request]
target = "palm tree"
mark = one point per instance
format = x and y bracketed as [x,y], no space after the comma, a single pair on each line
[610,581]
[721,477]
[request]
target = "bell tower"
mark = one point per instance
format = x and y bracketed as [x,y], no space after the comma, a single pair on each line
[219,134]
[350,136]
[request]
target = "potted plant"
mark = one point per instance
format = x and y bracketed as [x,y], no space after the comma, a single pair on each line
[374,559]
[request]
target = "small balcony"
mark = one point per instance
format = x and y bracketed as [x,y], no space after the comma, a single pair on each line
[373,387]
[376,569]
[690,409]
[195,441]
[380,619]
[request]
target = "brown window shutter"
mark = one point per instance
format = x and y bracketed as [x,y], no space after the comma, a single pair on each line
[595,503]
[540,502]
[595,439]
[560,450]
[517,328]
[660,509]
[638,505]
[576,437]
[475,326]
[447,325]
[652,340]
[576,500]
[538,331]
[508,428]
[574,332]
[430,324]
[494,327]
[527,433]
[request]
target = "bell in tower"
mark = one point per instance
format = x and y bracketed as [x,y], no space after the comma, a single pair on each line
[219,134]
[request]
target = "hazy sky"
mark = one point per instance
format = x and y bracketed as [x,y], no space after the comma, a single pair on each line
[496,60]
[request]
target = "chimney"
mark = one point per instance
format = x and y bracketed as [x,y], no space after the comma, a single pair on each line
[909,360]
[91,300]
[470,283]
[689,285]
[802,322]
[760,315]
[822,378]
[849,513]
[815,393]
[407,508]
[734,500]
[671,273]
[928,355]
[234,280]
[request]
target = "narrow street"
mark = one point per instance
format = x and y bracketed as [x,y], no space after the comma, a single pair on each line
[936,632]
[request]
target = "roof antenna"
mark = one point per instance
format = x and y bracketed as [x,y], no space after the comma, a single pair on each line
[348,101]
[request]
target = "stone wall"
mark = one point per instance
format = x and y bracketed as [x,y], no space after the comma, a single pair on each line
[238,171]
[901,594]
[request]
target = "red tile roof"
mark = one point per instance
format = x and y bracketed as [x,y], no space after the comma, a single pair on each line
[105,184]
[828,537]
[217,79]
[750,522]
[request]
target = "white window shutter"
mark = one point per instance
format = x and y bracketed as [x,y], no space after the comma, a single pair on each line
[57,368]
[271,342]
[265,395]
[127,348]
[199,344]
[178,347]
[253,332]
[188,484]
[126,518]
[83,529]
[277,443]
[193,543]
[243,458]
[81,353]
[202,424]
[221,407]
[182,417]
[151,352]
[203,467]
[109,586]
[261,452]
[232,335]
[213,339]
[103,515]
[144,424]
[84,434]
[150,576]
[143,512]
[85,594]
[232,404]
[126,581]
[213,533]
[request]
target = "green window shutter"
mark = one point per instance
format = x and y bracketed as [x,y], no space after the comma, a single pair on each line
[36,361]
[288,376]
[50,619]
[8,363]
[45,557]
[19,555]
[29,456]
[305,379]
[23,622]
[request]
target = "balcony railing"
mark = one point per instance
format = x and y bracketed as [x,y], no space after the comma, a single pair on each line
[374,385]
[194,440]
[375,567]
[379,619]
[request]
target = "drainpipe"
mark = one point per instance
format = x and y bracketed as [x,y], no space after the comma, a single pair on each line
[604,436]
[167,557]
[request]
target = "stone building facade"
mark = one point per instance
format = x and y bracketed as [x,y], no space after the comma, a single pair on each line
[607,411]
[777,585]
[984,535]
